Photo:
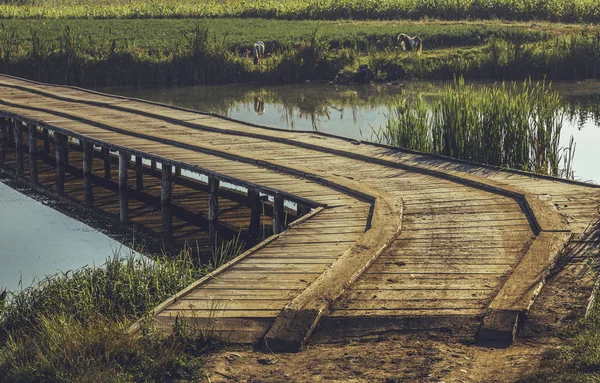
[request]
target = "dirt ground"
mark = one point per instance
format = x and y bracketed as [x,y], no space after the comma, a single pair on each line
[421,357]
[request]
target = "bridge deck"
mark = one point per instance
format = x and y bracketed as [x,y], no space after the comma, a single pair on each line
[465,227]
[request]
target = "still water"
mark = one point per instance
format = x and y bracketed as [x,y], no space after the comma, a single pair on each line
[354,111]
[36,240]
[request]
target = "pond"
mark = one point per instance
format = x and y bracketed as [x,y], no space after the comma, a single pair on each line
[354,111]
[36,240]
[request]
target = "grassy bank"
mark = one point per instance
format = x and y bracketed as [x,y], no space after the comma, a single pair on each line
[515,126]
[561,10]
[168,52]
[71,327]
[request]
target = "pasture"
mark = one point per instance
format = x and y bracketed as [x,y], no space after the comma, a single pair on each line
[209,51]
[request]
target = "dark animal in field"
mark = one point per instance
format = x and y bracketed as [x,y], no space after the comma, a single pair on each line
[258,51]
[410,43]
[365,75]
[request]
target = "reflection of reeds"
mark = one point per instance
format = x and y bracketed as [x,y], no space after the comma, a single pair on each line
[503,125]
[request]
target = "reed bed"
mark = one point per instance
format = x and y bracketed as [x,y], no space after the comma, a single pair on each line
[561,10]
[515,126]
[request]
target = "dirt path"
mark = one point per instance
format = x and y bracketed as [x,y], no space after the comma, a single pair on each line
[422,357]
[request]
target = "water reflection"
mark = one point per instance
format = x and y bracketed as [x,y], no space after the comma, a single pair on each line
[353,111]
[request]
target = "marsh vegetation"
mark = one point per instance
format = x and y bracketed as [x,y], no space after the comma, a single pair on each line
[170,52]
[507,125]
[72,326]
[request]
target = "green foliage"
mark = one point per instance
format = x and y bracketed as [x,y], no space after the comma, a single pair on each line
[165,52]
[70,327]
[511,126]
[558,10]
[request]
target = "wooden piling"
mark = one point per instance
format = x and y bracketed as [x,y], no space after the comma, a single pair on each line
[123,169]
[213,211]
[106,157]
[11,131]
[66,149]
[177,171]
[18,133]
[255,212]
[60,141]
[165,203]
[278,214]
[46,140]
[3,140]
[139,173]
[153,164]
[33,169]
[88,165]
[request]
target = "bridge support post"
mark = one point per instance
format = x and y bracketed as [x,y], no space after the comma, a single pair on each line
[46,140]
[59,144]
[177,171]
[153,164]
[11,131]
[255,212]
[165,203]
[18,132]
[88,161]
[213,211]
[278,214]
[33,169]
[106,158]
[123,185]
[139,173]
[3,140]
[66,149]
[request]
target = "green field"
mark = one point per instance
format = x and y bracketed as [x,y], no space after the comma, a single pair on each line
[186,51]
[557,10]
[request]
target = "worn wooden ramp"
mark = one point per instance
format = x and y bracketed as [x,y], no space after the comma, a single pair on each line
[397,239]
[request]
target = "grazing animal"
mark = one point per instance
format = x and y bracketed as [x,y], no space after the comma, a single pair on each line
[258,51]
[409,43]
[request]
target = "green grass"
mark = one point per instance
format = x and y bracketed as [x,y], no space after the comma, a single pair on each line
[71,327]
[557,10]
[166,52]
[515,126]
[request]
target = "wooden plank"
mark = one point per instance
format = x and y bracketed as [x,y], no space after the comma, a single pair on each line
[256,211]
[165,203]
[59,143]
[106,159]
[88,165]
[213,211]
[278,214]
[139,175]
[4,138]
[123,185]
[33,155]
[18,134]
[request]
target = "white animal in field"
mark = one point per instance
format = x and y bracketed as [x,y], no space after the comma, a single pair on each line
[258,51]
[409,43]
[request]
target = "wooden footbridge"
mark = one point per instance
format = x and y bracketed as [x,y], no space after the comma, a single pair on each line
[362,237]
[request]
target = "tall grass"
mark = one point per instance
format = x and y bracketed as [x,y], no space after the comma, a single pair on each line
[561,10]
[168,52]
[515,126]
[70,327]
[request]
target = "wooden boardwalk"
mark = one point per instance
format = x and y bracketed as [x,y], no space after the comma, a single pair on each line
[395,239]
